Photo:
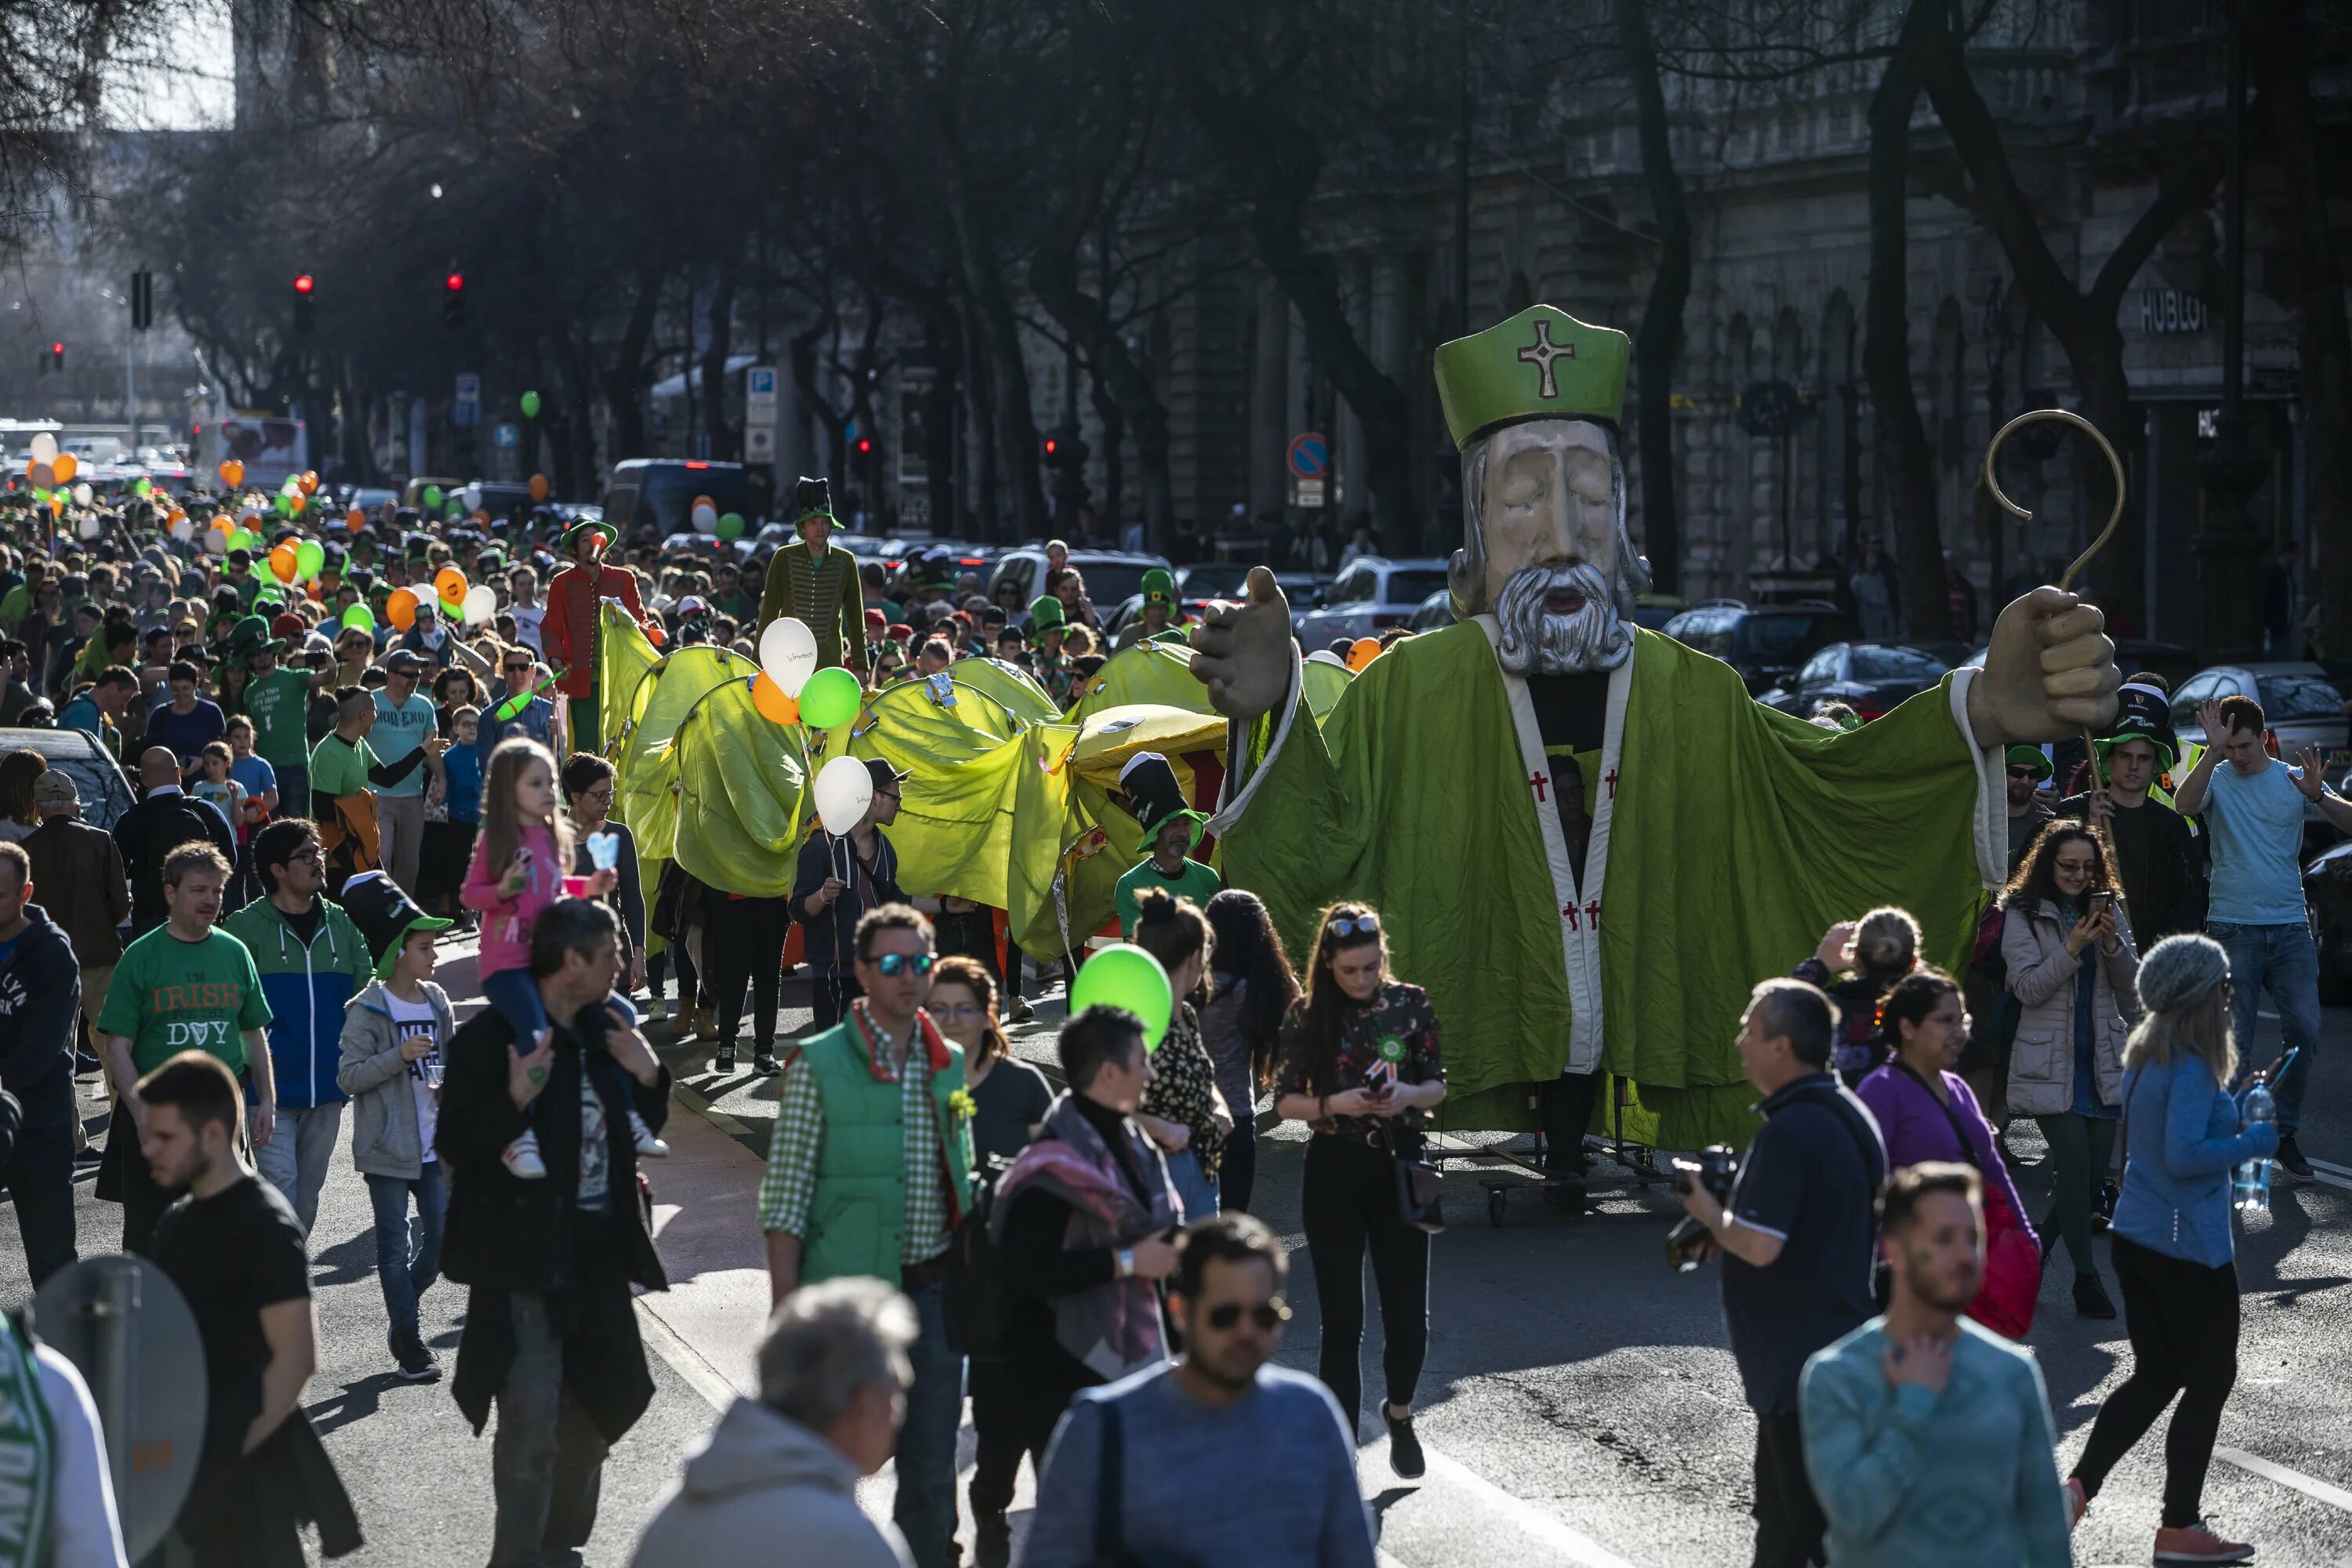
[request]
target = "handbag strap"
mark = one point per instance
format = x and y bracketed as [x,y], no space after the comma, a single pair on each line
[1968,1150]
[1110,1487]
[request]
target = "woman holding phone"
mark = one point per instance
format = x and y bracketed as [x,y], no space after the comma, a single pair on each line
[2068,944]
[1359,1063]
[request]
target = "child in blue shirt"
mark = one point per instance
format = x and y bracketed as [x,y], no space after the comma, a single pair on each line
[448,847]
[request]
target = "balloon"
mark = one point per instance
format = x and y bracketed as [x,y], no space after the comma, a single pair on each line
[292,486]
[215,542]
[242,540]
[730,525]
[788,653]
[355,520]
[655,634]
[844,790]
[82,494]
[42,476]
[450,583]
[829,698]
[360,615]
[482,516]
[538,487]
[285,505]
[259,571]
[431,498]
[45,447]
[310,481]
[770,699]
[1361,652]
[453,609]
[1124,975]
[141,486]
[531,404]
[281,564]
[57,504]
[480,602]
[706,516]
[309,558]
[232,472]
[64,465]
[89,526]
[401,609]
[183,529]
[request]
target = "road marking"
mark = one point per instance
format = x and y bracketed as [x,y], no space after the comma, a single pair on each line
[2334,1497]
[685,1360]
[1579,1548]
[2334,1174]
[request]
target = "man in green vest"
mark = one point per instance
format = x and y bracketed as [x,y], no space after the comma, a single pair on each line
[816,581]
[869,1170]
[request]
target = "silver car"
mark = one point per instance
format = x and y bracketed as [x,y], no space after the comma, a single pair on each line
[2304,705]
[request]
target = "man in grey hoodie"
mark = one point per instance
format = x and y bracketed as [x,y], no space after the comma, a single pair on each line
[780,1472]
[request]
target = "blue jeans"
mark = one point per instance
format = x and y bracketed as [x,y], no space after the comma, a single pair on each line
[1194,1190]
[925,1512]
[295,1158]
[2282,958]
[516,996]
[407,1258]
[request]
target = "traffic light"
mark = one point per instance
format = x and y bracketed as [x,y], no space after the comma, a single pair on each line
[58,358]
[865,446]
[142,300]
[303,284]
[1053,451]
[453,300]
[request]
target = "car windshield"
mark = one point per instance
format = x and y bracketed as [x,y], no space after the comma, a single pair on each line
[2298,696]
[1213,580]
[1779,637]
[1894,664]
[1413,587]
[667,493]
[1109,582]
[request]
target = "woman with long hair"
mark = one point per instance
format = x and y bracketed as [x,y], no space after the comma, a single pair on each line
[1361,1065]
[2174,1254]
[1857,962]
[1182,1110]
[2068,946]
[18,772]
[1251,988]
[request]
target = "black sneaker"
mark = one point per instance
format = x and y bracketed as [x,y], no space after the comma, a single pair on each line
[1404,1450]
[991,1540]
[763,1062]
[2090,1297]
[417,1363]
[2103,1213]
[2290,1154]
[724,1061]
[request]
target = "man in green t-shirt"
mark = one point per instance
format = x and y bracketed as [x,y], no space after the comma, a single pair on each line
[1172,828]
[342,767]
[182,986]
[279,703]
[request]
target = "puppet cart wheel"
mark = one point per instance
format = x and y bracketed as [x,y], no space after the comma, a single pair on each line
[1496,1199]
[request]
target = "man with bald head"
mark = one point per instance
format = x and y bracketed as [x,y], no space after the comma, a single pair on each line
[165,818]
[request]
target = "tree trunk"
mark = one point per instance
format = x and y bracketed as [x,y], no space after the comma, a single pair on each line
[1658,343]
[621,377]
[1905,467]
[1113,420]
[721,320]
[1053,281]
[2282,51]
[981,377]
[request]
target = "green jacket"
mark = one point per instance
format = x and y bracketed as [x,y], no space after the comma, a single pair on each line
[824,595]
[857,1215]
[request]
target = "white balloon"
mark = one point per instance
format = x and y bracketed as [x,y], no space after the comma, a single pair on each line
[45,447]
[83,495]
[844,790]
[481,603]
[705,519]
[788,653]
[216,541]
[183,531]
[89,526]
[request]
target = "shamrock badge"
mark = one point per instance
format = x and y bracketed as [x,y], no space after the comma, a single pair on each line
[961,1105]
[1391,1048]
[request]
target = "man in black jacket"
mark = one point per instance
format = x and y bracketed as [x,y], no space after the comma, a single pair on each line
[550,1333]
[40,991]
[164,818]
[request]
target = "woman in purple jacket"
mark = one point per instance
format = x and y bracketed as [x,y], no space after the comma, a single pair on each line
[1925,1110]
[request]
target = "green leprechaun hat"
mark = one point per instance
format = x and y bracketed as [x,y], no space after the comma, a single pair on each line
[1045,614]
[1542,364]
[1158,586]
[2033,757]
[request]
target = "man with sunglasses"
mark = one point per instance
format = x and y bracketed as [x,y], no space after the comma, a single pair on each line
[869,1170]
[514,706]
[840,879]
[1265,1443]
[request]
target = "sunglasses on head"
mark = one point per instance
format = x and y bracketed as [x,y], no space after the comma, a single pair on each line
[897,963]
[1353,925]
[1270,1316]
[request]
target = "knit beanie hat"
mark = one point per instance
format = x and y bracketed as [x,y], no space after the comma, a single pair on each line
[2179,970]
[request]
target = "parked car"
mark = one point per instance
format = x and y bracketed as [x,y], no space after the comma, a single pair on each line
[2304,705]
[1110,576]
[105,793]
[655,495]
[1370,594]
[2327,889]
[1655,610]
[1869,678]
[1765,645]
[1436,614]
[2169,660]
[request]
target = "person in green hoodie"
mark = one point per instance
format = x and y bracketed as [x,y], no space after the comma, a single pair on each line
[278,701]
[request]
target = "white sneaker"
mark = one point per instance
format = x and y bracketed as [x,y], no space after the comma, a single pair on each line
[656,1011]
[521,1159]
[648,1146]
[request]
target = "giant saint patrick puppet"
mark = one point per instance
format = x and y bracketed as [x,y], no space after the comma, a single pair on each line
[1718,839]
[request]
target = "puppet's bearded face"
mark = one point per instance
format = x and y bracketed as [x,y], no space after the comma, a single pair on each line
[1561,620]
[1549,552]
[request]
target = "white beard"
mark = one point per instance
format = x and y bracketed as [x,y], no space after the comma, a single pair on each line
[1536,643]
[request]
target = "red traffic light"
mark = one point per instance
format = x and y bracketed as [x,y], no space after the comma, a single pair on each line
[865,444]
[59,349]
[1052,446]
[303,283]
[454,282]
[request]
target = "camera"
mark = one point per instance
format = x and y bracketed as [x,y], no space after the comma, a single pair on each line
[1716,1167]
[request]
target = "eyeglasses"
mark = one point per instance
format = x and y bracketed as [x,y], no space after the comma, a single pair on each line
[889,794]
[1353,925]
[956,1011]
[1270,1316]
[897,963]
[307,852]
[603,794]
[517,669]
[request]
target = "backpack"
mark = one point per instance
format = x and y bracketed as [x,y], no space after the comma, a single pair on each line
[977,1292]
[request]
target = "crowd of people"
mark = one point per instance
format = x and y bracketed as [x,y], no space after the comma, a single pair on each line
[338,765]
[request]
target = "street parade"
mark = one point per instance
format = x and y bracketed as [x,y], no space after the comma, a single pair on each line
[809,958]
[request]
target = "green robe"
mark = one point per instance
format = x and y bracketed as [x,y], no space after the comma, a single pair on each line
[1726,837]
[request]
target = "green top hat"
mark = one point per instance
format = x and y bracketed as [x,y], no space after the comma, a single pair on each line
[251,635]
[1156,797]
[569,539]
[1045,614]
[1542,364]
[386,915]
[2030,757]
[1158,586]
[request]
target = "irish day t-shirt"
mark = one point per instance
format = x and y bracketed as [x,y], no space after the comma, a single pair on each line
[2257,827]
[170,996]
[278,704]
[416,1020]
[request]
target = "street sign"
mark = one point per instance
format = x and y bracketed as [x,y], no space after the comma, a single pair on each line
[760,394]
[1310,457]
[1306,494]
[759,443]
[467,409]
[506,437]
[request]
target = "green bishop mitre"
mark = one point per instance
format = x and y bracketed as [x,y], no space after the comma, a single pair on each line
[1542,364]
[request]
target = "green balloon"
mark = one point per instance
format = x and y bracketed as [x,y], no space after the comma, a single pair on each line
[531,404]
[454,608]
[310,558]
[261,572]
[241,539]
[1124,975]
[829,699]
[730,525]
[285,506]
[432,497]
[360,615]
[140,486]
[40,495]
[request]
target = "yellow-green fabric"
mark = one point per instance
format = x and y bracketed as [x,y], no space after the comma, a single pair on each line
[1322,683]
[624,657]
[1160,674]
[1542,363]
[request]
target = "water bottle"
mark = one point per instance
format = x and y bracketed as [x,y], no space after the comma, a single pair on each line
[2249,1183]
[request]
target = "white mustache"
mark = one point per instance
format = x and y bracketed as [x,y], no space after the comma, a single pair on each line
[1535,641]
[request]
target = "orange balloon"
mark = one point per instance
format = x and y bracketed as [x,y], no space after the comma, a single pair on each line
[222,524]
[177,517]
[655,634]
[1361,652]
[482,516]
[282,564]
[231,473]
[450,583]
[538,487]
[64,466]
[355,520]
[770,699]
[401,609]
[310,481]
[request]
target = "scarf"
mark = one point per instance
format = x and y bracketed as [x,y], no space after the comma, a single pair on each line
[27,1456]
[1113,1329]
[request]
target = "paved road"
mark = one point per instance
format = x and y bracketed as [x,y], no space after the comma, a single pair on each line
[1580,1405]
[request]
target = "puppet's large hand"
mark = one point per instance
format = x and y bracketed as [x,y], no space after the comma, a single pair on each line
[1242,652]
[2049,672]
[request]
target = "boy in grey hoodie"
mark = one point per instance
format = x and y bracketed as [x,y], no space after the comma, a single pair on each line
[394,1034]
